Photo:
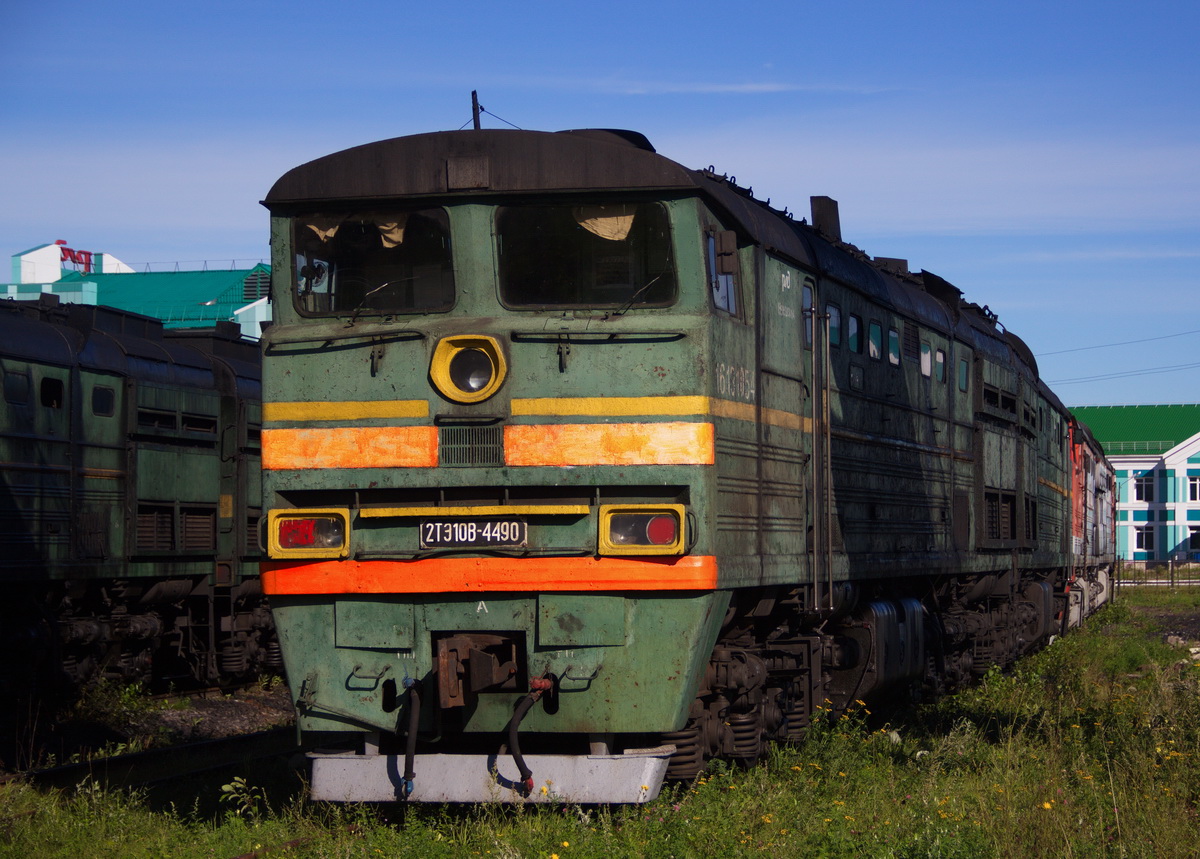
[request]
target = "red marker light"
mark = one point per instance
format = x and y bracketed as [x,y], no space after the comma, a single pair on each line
[661,530]
[297,533]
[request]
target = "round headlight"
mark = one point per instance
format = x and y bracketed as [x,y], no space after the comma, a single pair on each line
[471,370]
[467,368]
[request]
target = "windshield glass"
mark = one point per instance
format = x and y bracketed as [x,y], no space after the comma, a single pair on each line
[594,255]
[392,262]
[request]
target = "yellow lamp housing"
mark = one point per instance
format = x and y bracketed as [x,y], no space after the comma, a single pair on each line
[468,368]
[308,533]
[642,529]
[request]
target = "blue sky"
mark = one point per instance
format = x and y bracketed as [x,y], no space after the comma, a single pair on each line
[1043,157]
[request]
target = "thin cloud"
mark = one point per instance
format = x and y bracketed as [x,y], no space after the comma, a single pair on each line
[703,88]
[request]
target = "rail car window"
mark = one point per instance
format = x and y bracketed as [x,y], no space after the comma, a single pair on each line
[939,365]
[597,255]
[894,347]
[835,324]
[875,340]
[964,374]
[389,262]
[926,359]
[16,388]
[51,393]
[104,401]
[854,334]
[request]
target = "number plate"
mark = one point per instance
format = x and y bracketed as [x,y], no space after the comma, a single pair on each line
[471,533]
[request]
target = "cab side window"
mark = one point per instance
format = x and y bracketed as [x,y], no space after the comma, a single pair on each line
[721,252]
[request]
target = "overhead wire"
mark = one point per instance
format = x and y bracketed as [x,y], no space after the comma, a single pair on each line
[1124,374]
[1122,343]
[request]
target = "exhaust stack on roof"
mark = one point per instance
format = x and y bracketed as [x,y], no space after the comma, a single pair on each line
[825,217]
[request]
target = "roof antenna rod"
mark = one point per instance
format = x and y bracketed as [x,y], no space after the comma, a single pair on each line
[475,108]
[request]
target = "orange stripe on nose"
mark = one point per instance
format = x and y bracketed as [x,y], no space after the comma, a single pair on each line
[350,447]
[455,575]
[670,443]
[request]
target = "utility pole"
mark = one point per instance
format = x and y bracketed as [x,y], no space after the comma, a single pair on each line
[475,108]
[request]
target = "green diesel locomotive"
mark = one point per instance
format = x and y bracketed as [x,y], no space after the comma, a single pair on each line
[582,467]
[129,469]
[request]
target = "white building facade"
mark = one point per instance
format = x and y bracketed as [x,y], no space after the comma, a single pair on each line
[1158,504]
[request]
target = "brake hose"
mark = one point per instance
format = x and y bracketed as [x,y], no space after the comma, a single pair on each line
[537,686]
[410,744]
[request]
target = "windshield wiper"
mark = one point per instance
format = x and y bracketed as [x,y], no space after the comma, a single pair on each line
[628,304]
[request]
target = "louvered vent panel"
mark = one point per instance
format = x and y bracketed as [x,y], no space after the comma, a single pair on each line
[199,530]
[256,285]
[468,446]
[155,529]
[251,546]
[912,343]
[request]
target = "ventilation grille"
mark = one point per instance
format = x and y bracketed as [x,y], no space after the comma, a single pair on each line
[199,529]
[471,446]
[251,547]
[256,284]
[159,531]
[155,529]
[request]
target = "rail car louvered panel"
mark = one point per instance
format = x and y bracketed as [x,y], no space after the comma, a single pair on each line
[252,538]
[155,528]
[199,529]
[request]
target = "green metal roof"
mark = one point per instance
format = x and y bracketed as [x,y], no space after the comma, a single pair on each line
[1140,429]
[179,298]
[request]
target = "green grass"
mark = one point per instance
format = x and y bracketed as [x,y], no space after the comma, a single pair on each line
[1091,748]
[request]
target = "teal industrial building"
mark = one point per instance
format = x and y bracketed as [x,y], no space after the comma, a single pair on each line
[181,299]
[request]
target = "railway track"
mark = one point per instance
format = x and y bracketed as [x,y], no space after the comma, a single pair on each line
[140,769]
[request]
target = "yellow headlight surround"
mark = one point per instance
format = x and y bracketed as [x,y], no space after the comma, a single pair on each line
[468,368]
[642,529]
[308,533]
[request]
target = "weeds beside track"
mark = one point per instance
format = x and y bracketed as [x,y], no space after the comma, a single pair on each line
[1088,749]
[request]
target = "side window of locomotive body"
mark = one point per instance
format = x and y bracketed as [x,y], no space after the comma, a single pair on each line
[104,401]
[377,262]
[875,341]
[835,324]
[614,255]
[854,334]
[893,347]
[721,262]
[16,388]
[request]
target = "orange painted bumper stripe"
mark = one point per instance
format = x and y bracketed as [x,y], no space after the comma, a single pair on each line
[350,447]
[456,575]
[670,443]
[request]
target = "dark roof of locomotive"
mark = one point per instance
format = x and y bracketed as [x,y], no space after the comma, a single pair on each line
[507,162]
[493,161]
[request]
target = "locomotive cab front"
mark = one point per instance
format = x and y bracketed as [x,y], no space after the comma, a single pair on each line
[490,431]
